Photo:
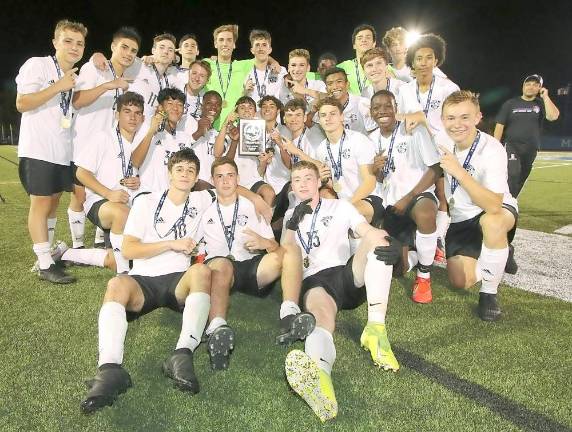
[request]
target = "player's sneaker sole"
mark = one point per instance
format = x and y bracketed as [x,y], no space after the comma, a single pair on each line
[297,328]
[219,345]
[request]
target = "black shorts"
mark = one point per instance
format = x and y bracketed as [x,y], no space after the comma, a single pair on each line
[93,217]
[339,284]
[378,210]
[254,188]
[402,227]
[281,202]
[158,291]
[43,178]
[74,175]
[466,238]
[245,280]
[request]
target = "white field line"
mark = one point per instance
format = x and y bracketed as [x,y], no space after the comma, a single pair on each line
[552,166]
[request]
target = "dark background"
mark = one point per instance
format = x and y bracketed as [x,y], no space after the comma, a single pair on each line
[492,45]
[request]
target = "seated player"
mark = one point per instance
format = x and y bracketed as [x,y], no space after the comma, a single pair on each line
[161,232]
[483,213]
[374,63]
[407,166]
[243,256]
[333,281]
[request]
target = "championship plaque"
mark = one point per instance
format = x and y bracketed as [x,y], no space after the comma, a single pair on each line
[252,137]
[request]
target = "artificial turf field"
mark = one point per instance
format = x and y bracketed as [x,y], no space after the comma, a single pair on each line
[457,372]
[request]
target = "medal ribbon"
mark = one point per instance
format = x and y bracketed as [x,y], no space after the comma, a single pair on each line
[389,163]
[126,169]
[112,69]
[338,171]
[295,159]
[261,88]
[158,75]
[227,79]
[308,247]
[454,181]
[428,102]
[65,97]
[228,234]
[179,227]
[361,84]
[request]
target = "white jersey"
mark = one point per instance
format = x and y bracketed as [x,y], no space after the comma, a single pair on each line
[149,82]
[204,149]
[153,171]
[330,241]
[488,166]
[356,114]
[181,78]
[193,104]
[145,224]
[108,160]
[42,136]
[216,243]
[286,94]
[357,150]
[404,74]
[409,102]
[394,85]
[277,175]
[411,155]
[309,140]
[266,82]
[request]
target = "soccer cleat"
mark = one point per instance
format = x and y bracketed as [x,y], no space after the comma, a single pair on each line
[374,339]
[109,382]
[99,245]
[295,327]
[422,290]
[312,384]
[56,251]
[511,266]
[440,256]
[55,274]
[220,345]
[489,309]
[179,367]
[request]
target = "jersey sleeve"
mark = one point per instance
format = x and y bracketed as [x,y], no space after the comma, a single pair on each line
[426,147]
[502,116]
[407,101]
[90,155]
[366,151]
[355,218]
[31,76]
[87,78]
[495,176]
[135,225]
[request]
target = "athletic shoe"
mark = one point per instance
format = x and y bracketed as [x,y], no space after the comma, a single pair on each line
[220,345]
[99,245]
[374,339]
[295,327]
[109,382]
[511,266]
[56,251]
[422,290]
[55,274]
[312,384]
[440,256]
[179,367]
[489,309]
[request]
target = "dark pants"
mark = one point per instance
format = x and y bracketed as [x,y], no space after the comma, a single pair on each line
[520,160]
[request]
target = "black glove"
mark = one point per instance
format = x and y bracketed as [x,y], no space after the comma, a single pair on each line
[390,254]
[298,214]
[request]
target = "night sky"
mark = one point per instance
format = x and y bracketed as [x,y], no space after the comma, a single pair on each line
[492,45]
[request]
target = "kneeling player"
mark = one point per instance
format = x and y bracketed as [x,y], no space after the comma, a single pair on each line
[161,231]
[483,213]
[333,281]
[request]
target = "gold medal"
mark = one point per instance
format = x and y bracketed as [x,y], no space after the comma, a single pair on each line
[337,187]
[306,262]
[451,202]
[65,122]
[224,104]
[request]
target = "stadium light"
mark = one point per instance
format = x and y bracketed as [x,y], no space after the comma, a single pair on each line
[411,37]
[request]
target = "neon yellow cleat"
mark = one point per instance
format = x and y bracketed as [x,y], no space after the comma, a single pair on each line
[374,339]
[313,384]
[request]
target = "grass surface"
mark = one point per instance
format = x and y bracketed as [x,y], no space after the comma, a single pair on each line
[458,373]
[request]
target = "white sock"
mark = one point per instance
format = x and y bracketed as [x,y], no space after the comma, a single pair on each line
[99,235]
[425,245]
[442,224]
[120,261]
[94,257]
[215,323]
[42,251]
[412,260]
[195,317]
[377,278]
[112,327]
[320,347]
[288,307]
[51,230]
[492,263]
[76,221]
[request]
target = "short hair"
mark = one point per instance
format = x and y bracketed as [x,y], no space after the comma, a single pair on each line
[244,100]
[394,34]
[130,98]
[335,70]
[300,165]
[259,34]
[328,56]
[329,100]
[271,98]
[212,93]
[363,27]
[384,93]
[296,104]
[375,52]
[204,64]
[171,93]
[187,37]
[233,28]
[429,40]
[461,96]
[65,24]
[165,36]
[184,155]
[299,52]
[128,33]
[224,160]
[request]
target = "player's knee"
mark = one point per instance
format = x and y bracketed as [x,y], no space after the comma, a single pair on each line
[492,224]
[426,218]
[457,280]
[292,250]
[117,290]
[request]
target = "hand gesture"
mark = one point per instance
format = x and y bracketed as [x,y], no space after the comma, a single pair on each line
[118,196]
[298,214]
[400,206]
[131,183]
[248,86]
[148,60]
[157,119]
[543,92]
[262,209]
[184,245]
[449,163]
[233,132]
[379,162]
[67,82]
[99,61]
[118,83]
[254,241]
[265,157]
[325,172]
[203,125]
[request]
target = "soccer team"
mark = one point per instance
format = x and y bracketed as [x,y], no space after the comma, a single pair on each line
[371,169]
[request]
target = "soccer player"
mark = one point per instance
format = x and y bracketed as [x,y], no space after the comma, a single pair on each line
[483,212]
[333,281]
[407,166]
[243,256]
[363,39]
[198,75]
[95,100]
[374,63]
[189,51]
[325,61]
[45,88]
[161,232]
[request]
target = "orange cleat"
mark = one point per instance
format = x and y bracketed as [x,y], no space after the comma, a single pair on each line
[422,291]
[440,257]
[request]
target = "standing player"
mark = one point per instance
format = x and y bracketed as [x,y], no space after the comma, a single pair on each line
[45,86]
[374,63]
[189,51]
[363,39]
[161,232]
[483,213]
[333,281]
[325,61]
[198,75]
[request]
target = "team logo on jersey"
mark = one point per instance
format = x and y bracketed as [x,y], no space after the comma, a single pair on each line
[326,220]
[168,154]
[182,146]
[352,117]
[158,142]
[210,221]
[50,82]
[536,109]
[193,212]
[402,147]
[346,154]
[242,220]
[435,104]
[273,78]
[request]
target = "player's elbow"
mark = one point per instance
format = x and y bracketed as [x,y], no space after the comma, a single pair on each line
[21,104]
